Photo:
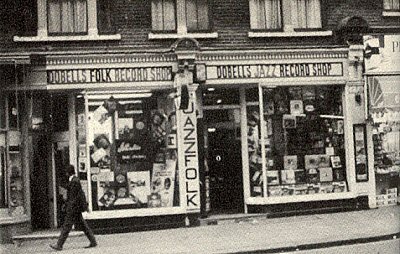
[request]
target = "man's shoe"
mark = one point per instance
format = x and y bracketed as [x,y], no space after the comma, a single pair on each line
[92,245]
[55,247]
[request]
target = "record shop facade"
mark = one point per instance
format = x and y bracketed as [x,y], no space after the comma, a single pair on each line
[177,135]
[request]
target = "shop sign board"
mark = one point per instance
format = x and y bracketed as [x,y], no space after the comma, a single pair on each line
[188,156]
[382,54]
[109,75]
[263,71]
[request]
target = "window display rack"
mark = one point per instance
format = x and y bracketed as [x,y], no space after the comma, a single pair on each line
[296,145]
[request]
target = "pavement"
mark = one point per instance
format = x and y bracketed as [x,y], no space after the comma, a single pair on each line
[252,235]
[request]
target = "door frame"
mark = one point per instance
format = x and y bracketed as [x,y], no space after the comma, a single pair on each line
[242,134]
[62,136]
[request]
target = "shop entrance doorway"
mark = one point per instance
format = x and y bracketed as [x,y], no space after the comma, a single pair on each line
[49,144]
[223,150]
[39,177]
[225,171]
[60,156]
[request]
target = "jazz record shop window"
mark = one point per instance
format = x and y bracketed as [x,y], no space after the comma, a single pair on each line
[301,140]
[124,146]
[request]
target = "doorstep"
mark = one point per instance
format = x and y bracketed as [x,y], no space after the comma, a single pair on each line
[43,235]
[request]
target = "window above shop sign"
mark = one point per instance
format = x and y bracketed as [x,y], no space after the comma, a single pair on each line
[72,20]
[286,18]
[173,19]
[391,8]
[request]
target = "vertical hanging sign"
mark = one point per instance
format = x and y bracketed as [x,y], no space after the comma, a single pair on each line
[188,154]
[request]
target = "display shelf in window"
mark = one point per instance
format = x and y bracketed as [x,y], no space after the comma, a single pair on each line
[303,140]
[16,194]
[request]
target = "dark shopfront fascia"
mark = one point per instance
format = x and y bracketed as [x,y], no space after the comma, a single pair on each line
[297,125]
[134,151]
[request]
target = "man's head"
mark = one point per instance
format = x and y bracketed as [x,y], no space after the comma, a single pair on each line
[70,171]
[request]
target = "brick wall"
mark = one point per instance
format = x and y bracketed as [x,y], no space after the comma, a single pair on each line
[230,19]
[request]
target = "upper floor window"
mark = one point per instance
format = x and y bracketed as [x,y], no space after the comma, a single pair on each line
[266,14]
[391,8]
[306,14]
[70,20]
[290,17]
[67,16]
[180,16]
[391,5]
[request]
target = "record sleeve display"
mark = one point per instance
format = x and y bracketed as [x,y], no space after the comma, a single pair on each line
[131,164]
[303,141]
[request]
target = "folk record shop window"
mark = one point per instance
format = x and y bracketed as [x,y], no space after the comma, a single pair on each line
[285,15]
[132,162]
[67,16]
[296,136]
[167,15]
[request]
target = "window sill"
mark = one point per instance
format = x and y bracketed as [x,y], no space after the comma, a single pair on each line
[153,36]
[391,13]
[290,34]
[67,38]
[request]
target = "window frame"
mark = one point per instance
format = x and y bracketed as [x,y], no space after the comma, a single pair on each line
[92,33]
[288,24]
[74,19]
[390,12]
[181,25]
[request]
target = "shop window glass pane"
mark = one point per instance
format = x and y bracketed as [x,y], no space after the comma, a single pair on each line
[132,165]
[3,195]
[16,184]
[253,143]
[220,96]
[13,111]
[386,140]
[304,149]
[3,112]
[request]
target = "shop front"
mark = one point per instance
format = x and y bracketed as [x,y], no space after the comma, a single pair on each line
[383,85]
[130,130]
[289,128]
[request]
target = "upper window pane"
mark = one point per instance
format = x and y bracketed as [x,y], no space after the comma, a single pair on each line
[67,16]
[163,15]
[266,14]
[197,15]
[391,5]
[306,14]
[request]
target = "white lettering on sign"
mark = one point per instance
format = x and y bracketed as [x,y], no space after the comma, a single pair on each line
[259,71]
[109,75]
[188,156]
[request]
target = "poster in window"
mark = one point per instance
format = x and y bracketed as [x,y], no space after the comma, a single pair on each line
[129,151]
[360,152]
[163,181]
[139,186]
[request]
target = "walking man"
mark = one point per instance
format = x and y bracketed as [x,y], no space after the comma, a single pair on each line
[75,205]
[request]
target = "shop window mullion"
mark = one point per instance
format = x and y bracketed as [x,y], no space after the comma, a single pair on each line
[88,176]
[262,141]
